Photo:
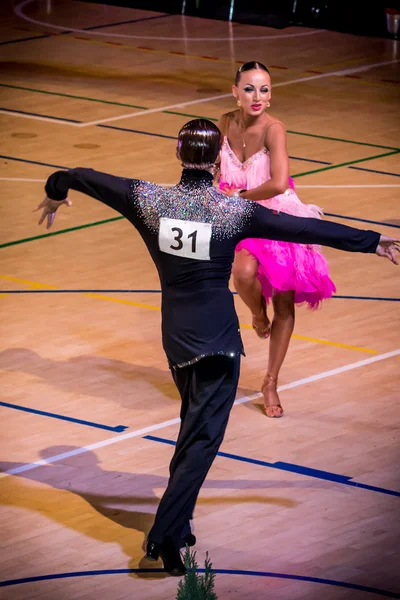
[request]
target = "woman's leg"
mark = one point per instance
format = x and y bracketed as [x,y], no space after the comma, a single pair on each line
[248,286]
[281,332]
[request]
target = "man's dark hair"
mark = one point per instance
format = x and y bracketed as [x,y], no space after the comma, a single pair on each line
[199,143]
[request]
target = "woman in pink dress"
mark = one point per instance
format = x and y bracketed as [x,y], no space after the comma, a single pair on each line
[255,163]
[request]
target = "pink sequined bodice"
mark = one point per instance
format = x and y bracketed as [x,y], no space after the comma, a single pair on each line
[254,172]
[247,175]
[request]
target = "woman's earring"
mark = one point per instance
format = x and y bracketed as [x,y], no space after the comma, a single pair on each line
[239,103]
[268,104]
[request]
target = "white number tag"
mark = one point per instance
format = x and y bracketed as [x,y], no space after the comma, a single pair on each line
[185,238]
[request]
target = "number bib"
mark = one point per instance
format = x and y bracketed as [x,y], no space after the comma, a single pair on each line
[185,238]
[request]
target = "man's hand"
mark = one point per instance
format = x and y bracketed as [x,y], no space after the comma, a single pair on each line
[49,210]
[388,247]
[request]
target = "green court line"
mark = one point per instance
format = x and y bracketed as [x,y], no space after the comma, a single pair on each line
[45,235]
[171,112]
[333,139]
[17,87]
[345,164]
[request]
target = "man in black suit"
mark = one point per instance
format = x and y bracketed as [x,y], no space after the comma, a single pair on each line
[191,231]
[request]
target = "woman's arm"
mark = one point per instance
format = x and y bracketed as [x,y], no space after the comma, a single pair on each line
[275,141]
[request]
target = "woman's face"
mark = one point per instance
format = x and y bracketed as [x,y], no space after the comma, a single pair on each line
[253,91]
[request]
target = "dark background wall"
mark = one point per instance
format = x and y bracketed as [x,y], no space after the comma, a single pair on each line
[362,17]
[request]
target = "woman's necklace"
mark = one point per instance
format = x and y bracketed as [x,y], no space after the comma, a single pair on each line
[243,140]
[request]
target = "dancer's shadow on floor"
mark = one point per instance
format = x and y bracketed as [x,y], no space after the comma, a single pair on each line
[105,378]
[109,379]
[114,506]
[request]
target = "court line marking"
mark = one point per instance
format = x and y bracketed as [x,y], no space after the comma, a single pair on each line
[220,96]
[375,171]
[76,228]
[303,133]
[305,187]
[42,413]
[42,35]
[292,468]
[63,121]
[332,582]
[23,179]
[21,115]
[122,291]
[346,164]
[18,11]
[272,575]
[97,296]
[145,430]
[359,220]
[32,162]
[358,79]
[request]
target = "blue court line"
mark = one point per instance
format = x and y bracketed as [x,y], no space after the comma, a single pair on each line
[291,468]
[332,582]
[32,162]
[117,429]
[47,35]
[127,22]
[362,220]
[159,292]
[24,112]
[27,39]
[374,171]
[311,160]
[172,137]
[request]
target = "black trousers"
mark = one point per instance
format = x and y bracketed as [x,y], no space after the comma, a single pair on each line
[208,389]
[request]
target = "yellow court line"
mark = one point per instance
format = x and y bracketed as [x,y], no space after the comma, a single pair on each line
[33,284]
[304,338]
[122,301]
[36,285]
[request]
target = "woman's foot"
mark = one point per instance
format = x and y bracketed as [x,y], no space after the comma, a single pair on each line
[261,323]
[272,405]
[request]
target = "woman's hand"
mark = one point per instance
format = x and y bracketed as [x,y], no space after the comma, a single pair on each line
[227,189]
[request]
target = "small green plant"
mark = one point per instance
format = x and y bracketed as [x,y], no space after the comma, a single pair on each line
[194,586]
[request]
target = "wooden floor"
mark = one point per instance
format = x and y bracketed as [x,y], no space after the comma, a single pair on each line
[109,88]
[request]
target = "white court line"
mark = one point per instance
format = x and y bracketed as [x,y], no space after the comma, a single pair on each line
[209,99]
[11,113]
[22,179]
[22,15]
[157,426]
[154,110]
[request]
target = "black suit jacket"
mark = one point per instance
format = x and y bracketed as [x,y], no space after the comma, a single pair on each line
[191,231]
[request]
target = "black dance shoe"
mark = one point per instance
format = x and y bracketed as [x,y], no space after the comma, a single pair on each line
[152,550]
[187,540]
[171,557]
